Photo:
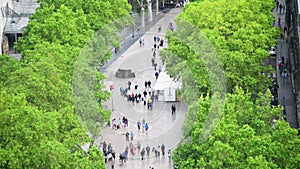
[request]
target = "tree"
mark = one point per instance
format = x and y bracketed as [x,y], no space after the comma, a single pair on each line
[98,13]
[242,33]
[32,138]
[41,88]
[62,27]
[7,66]
[237,143]
[42,85]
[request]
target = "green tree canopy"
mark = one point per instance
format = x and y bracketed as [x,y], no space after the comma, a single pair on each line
[244,137]
[42,125]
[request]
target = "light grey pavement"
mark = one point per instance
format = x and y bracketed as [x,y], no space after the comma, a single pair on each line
[129,35]
[285,91]
[164,128]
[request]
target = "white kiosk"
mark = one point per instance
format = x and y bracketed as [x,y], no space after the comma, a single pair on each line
[165,87]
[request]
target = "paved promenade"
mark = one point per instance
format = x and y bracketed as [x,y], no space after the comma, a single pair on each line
[164,128]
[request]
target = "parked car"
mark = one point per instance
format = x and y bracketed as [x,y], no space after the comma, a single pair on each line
[272,51]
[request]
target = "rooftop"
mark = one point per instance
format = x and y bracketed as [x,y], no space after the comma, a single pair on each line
[25,7]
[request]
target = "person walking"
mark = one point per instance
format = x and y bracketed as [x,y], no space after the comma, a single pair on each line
[280,8]
[155,152]
[105,156]
[131,136]
[109,148]
[149,83]
[152,63]
[158,152]
[148,103]
[127,136]
[124,158]
[159,28]
[143,153]
[146,83]
[161,43]
[143,125]
[169,155]
[170,27]
[132,98]
[146,128]
[129,84]
[141,42]
[138,125]
[104,145]
[131,148]
[163,149]
[148,151]
[138,146]
[173,109]
[126,151]
[145,93]
[156,75]
[283,60]
[120,159]
[154,54]
[284,29]
[284,76]
[112,163]
[155,65]
[158,39]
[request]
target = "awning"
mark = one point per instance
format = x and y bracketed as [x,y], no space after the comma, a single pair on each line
[15,25]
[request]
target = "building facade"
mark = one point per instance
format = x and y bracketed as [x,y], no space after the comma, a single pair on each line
[4,4]
[14,18]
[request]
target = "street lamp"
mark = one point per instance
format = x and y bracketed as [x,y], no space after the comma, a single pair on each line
[133,25]
[111,88]
[143,17]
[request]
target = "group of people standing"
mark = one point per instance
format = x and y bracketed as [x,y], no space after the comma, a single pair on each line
[108,153]
[142,126]
[134,96]
[145,151]
[280,7]
[118,123]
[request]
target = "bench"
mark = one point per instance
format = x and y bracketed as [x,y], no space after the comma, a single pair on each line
[125,73]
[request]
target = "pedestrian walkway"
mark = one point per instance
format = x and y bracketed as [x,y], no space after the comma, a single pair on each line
[285,91]
[164,128]
[129,35]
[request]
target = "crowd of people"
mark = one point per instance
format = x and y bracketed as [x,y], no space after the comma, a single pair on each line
[136,150]
[136,96]
[135,93]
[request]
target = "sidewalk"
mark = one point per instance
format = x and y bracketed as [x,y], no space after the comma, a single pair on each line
[164,128]
[285,91]
[130,35]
